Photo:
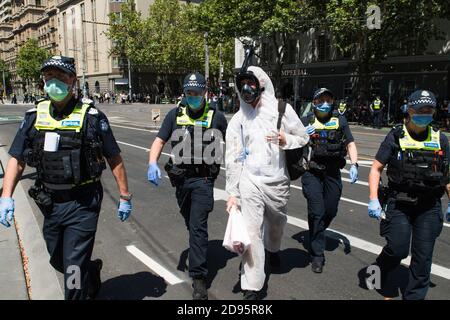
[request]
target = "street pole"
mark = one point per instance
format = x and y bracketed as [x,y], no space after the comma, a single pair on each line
[296,77]
[389,101]
[129,77]
[4,83]
[220,63]
[84,73]
[206,57]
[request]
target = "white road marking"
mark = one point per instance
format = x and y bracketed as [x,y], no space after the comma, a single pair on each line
[169,277]
[364,204]
[355,242]
[137,129]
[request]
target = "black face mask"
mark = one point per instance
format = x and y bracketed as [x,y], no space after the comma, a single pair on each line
[249,94]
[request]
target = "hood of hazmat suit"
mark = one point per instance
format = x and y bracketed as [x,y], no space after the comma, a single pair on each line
[247,148]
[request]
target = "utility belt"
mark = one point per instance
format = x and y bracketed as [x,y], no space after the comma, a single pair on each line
[178,173]
[45,196]
[406,198]
[321,165]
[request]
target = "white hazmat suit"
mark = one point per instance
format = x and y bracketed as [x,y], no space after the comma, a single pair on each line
[256,174]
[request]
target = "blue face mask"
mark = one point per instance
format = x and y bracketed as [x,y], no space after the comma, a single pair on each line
[324,107]
[194,102]
[56,89]
[422,120]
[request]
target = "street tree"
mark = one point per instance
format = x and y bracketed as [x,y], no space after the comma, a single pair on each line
[4,72]
[406,28]
[259,20]
[30,60]
[166,41]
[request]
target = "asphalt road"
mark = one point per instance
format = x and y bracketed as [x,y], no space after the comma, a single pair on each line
[145,257]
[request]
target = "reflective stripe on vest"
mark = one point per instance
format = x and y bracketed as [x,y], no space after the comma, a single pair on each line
[432,143]
[45,121]
[205,121]
[342,106]
[377,104]
[333,124]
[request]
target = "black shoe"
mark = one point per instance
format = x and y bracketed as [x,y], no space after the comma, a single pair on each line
[95,282]
[200,291]
[274,260]
[317,266]
[251,295]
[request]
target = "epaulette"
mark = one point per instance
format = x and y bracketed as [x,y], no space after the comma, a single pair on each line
[398,130]
[93,111]
[87,101]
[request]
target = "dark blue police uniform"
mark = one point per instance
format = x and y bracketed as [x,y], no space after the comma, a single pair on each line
[322,188]
[195,192]
[409,223]
[70,222]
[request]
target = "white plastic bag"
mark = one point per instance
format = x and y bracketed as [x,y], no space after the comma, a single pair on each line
[236,236]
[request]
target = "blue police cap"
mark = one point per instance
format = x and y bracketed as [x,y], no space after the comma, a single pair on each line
[321,91]
[194,82]
[65,64]
[421,98]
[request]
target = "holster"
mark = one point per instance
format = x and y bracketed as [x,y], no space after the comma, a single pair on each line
[176,174]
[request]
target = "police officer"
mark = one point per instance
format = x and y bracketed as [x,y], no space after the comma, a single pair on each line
[342,107]
[194,168]
[66,140]
[330,140]
[417,159]
[377,112]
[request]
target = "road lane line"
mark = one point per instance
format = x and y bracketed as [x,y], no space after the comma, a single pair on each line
[169,277]
[220,194]
[355,242]
[364,204]
[138,129]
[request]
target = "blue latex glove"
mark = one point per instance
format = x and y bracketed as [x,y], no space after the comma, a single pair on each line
[124,210]
[354,173]
[6,211]
[448,212]
[374,209]
[310,130]
[153,173]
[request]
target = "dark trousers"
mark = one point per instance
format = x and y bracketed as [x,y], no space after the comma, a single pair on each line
[196,200]
[377,119]
[322,193]
[69,232]
[416,226]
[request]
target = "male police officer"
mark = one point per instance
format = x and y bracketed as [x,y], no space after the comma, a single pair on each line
[330,140]
[377,112]
[66,140]
[417,158]
[194,170]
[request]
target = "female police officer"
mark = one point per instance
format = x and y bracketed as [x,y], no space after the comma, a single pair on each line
[68,188]
[417,159]
[330,141]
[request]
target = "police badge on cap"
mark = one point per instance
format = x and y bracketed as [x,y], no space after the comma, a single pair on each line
[422,98]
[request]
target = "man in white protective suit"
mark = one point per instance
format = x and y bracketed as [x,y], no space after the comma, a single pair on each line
[257,179]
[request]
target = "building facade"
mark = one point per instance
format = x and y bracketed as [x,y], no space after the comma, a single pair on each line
[73,28]
[311,61]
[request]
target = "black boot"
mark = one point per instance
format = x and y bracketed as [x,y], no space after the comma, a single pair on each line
[274,261]
[200,291]
[95,281]
[251,295]
[317,266]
